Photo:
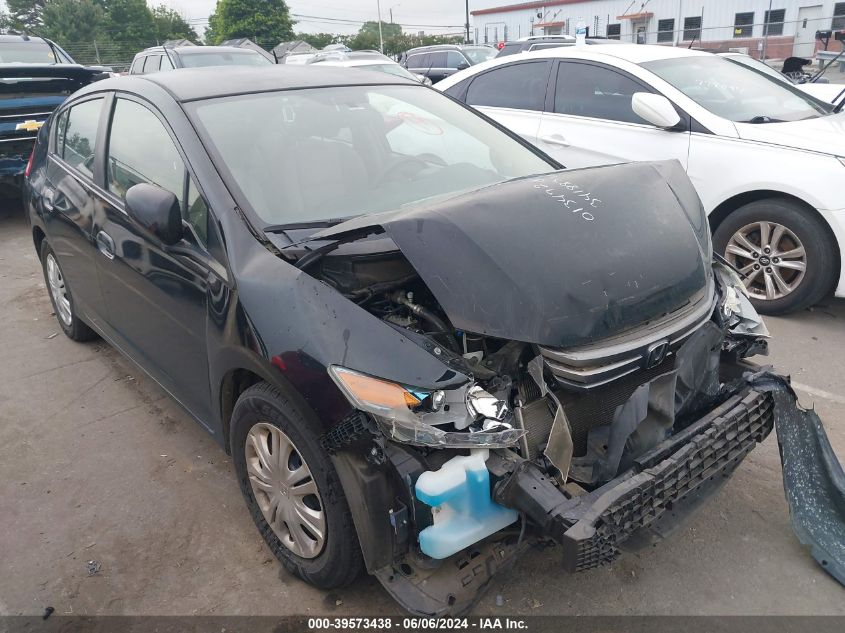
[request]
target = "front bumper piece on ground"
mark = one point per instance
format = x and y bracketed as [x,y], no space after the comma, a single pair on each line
[813,479]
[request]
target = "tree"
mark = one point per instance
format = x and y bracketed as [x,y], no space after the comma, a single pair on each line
[266,22]
[128,21]
[388,29]
[25,15]
[318,40]
[72,21]
[169,25]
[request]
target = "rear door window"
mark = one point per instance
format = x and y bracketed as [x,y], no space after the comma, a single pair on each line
[437,59]
[521,86]
[420,60]
[79,136]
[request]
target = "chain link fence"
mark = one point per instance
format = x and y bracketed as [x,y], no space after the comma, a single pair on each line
[118,56]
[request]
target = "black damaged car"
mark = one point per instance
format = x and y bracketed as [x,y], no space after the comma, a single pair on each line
[426,346]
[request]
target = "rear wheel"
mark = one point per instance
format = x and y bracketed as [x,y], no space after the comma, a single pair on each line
[292,490]
[61,297]
[784,252]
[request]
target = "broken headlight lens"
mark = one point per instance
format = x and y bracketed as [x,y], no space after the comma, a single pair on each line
[414,416]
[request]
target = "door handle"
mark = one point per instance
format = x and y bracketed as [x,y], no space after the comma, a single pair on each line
[105,244]
[555,139]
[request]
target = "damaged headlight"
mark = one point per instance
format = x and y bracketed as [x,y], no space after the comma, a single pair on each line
[413,416]
[735,307]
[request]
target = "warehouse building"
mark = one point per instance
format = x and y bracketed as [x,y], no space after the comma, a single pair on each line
[778,28]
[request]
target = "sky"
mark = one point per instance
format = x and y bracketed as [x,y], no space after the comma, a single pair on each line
[346,16]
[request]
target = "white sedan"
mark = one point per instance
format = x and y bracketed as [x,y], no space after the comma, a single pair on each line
[765,157]
[377,64]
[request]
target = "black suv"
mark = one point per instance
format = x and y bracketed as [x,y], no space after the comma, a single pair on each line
[441,61]
[160,58]
[426,347]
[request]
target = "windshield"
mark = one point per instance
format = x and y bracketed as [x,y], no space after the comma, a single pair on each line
[760,67]
[479,54]
[735,91]
[235,58]
[390,69]
[31,52]
[318,154]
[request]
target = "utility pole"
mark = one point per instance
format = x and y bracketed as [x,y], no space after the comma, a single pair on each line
[380,36]
[467,20]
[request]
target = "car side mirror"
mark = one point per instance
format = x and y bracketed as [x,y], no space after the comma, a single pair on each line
[656,109]
[157,210]
[462,66]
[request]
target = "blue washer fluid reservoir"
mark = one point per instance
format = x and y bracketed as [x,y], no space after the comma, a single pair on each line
[464,513]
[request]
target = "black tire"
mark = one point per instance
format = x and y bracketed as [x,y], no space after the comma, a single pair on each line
[75,329]
[819,246]
[340,562]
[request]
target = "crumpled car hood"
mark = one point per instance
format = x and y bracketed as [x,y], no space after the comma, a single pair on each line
[559,259]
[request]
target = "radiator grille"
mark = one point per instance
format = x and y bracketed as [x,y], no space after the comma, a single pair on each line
[590,409]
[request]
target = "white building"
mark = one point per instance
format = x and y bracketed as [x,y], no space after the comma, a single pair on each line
[709,24]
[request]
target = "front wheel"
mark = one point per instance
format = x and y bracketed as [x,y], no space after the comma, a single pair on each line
[292,490]
[784,252]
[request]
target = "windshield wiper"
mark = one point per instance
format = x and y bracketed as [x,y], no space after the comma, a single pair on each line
[292,226]
[762,118]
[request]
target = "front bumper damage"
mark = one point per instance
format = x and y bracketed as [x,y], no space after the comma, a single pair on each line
[647,502]
[589,482]
[591,527]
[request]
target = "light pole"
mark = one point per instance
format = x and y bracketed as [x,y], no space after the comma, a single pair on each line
[391,11]
[380,36]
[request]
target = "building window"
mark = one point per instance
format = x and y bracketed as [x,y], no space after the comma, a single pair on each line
[774,22]
[743,24]
[615,30]
[838,16]
[666,30]
[692,28]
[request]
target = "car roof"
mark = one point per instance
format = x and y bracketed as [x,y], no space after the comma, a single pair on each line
[635,53]
[199,50]
[19,37]
[189,84]
[355,62]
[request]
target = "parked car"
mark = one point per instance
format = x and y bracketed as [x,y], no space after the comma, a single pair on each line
[441,61]
[824,91]
[764,156]
[542,42]
[381,65]
[407,349]
[36,76]
[161,58]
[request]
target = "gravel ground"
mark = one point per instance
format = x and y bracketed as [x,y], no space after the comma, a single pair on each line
[98,464]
